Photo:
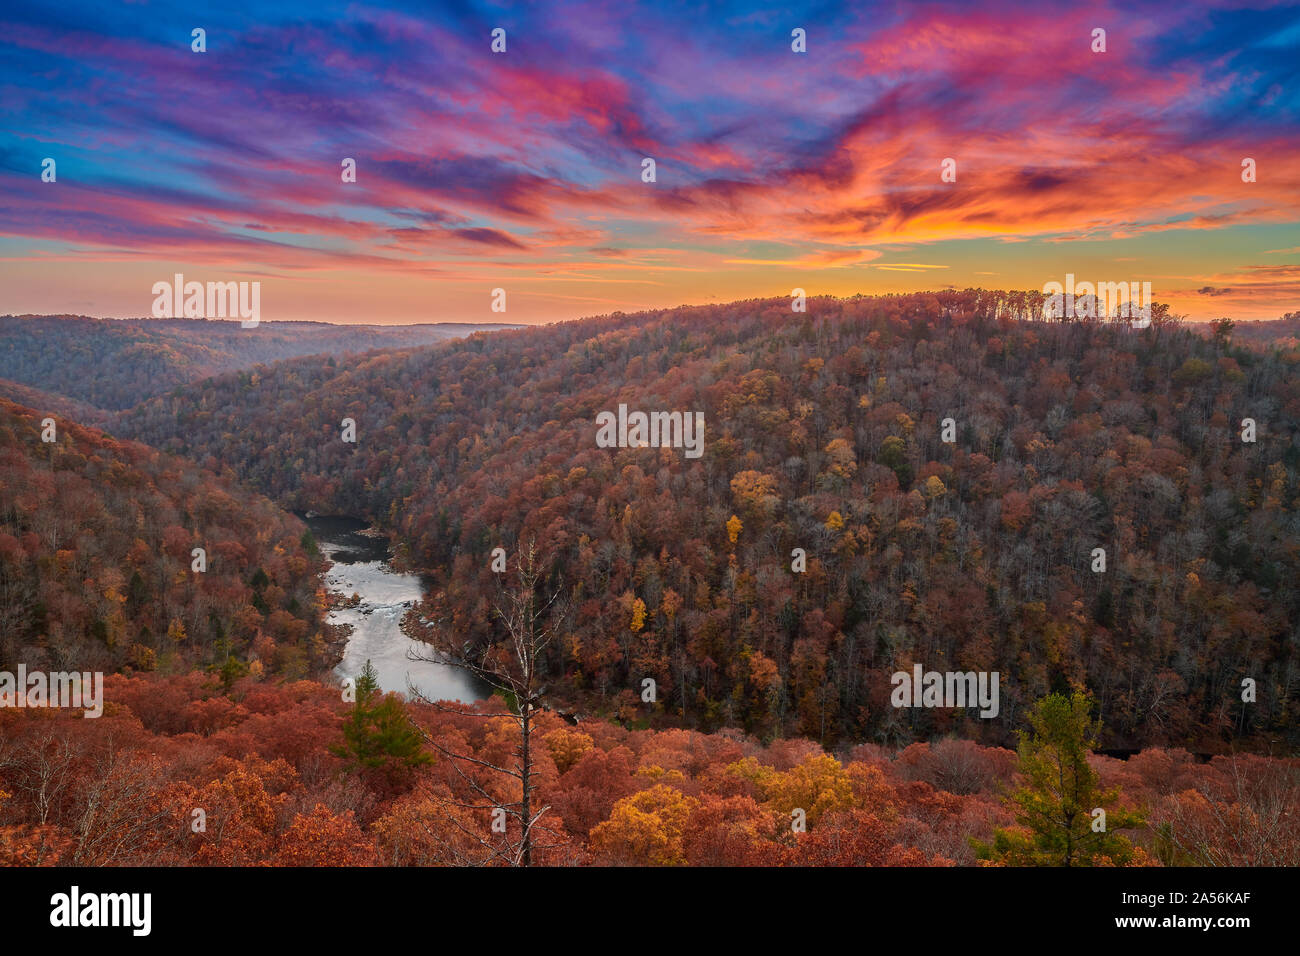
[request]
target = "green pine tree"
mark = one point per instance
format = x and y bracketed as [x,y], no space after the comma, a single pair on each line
[378,734]
[232,668]
[1056,803]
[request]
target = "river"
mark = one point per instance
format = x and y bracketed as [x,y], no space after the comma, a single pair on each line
[361,567]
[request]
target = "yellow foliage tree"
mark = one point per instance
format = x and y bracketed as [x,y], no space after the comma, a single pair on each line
[755,493]
[934,487]
[566,747]
[842,461]
[817,786]
[645,829]
[734,528]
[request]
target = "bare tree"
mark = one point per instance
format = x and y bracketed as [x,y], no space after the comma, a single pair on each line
[45,763]
[120,815]
[531,614]
[1247,819]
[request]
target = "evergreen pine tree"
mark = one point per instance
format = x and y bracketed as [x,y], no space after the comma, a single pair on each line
[1056,803]
[378,734]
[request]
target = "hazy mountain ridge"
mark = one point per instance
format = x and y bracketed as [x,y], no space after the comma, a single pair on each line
[115,363]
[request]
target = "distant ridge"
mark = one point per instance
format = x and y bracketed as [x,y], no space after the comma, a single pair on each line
[113,364]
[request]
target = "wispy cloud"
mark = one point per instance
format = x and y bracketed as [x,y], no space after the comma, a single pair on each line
[473,165]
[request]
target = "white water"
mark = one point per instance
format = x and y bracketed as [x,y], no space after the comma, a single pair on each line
[386,595]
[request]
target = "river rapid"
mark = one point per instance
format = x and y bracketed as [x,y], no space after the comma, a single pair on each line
[361,566]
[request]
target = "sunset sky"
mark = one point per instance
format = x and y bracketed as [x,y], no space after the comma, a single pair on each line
[522,170]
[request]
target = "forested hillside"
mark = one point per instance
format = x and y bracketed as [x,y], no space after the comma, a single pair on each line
[824,433]
[97,562]
[50,404]
[115,363]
